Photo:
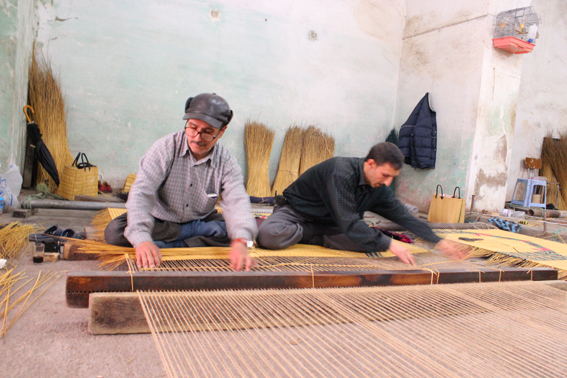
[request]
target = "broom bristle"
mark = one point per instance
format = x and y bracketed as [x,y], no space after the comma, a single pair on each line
[46,98]
[102,219]
[259,140]
[317,147]
[554,155]
[288,169]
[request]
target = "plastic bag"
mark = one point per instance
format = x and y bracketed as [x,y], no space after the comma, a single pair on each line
[10,185]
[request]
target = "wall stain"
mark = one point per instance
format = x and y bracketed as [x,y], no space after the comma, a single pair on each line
[65,19]
[492,181]
[501,149]
[390,14]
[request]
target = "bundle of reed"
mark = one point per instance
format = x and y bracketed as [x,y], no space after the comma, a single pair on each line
[259,140]
[102,219]
[504,260]
[317,147]
[14,239]
[8,302]
[554,153]
[553,193]
[46,98]
[288,169]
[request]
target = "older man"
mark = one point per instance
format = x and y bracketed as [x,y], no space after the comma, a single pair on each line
[325,206]
[177,186]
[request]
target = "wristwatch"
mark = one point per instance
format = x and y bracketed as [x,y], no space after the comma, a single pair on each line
[247,243]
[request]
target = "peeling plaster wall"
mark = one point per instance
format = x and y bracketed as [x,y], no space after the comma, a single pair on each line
[542,105]
[447,51]
[16,39]
[494,128]
[441,54]
[127,68]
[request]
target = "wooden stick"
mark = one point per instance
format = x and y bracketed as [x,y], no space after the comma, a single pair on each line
[81,284]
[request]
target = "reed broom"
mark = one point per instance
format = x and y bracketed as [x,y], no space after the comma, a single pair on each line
[554,153]
[317,147]
[552,189]
[46,98]
[290,159]
[102,219]
[259,140]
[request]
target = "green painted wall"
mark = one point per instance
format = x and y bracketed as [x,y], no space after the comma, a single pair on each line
[127,68]
[8,29]
[17,25]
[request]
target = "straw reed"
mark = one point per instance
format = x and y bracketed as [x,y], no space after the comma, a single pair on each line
[259,140]
[9,304]
[554,154]
[317,147]
[290,159]
[504,260]
[14,240]
[46,98]
[102,219]
[552,189]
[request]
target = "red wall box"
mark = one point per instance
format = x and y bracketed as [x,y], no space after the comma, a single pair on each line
[513,45]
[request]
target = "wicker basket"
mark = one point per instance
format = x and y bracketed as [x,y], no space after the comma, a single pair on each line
[128,184]
[78,181]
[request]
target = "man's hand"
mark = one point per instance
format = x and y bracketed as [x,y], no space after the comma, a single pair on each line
[148,255]
[239,257]
[453,250]
[402,252]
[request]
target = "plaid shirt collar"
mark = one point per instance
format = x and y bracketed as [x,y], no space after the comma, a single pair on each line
[212,156]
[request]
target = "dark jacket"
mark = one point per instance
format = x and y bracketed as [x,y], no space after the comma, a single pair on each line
[418,136]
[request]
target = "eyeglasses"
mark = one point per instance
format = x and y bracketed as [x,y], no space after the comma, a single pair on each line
[206,136]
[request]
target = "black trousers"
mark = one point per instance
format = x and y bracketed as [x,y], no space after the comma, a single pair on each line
[286,227]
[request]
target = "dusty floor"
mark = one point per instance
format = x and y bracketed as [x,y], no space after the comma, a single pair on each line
[51,340]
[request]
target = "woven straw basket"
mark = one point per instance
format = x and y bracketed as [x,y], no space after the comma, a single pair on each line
[78,181]
[128,184]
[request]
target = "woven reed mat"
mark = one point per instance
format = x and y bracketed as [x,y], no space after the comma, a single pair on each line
[461,330]
[299,257]
[511,249]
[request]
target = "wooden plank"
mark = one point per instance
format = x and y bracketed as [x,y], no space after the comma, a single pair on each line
[81,284]
[71,252]
[23,213]
[116,313]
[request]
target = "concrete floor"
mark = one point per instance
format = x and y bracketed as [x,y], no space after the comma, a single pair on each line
[51,340]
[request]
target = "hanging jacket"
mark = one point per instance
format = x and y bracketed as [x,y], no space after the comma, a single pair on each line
[418,136]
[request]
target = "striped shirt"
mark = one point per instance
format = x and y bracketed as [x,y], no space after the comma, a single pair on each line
[172,186]
[334,192]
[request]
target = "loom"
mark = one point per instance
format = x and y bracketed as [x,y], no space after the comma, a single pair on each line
[310,311]
[301,266]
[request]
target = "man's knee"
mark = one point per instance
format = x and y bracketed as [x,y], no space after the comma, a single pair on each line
[114,233]
[276,235]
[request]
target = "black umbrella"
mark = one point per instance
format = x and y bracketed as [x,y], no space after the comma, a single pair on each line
[42,153]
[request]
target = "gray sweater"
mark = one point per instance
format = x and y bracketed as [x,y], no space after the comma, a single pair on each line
[172,186]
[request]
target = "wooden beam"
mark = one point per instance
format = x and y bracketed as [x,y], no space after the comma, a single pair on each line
[81,284]
[71,252]
[116,313]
